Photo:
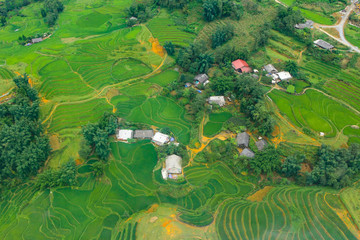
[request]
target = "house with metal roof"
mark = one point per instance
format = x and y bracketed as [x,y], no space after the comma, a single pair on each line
[261,144]
[143,134]
[201,79]
[124,134]
[270,69]
[307,24]
[172,166]
[284,76]
[247,153]
[241,66]
[323,44]
[219,100]
[160,138]
[36,40]
[243,139]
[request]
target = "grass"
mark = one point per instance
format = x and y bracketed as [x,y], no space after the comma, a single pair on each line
[94,19]
[315,111]
[316,16]
[350,198]
[352,34]
[164,78]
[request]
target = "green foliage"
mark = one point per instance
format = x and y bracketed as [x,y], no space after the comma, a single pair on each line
[51,11]
[286,20]
[290,89]
[336,168]
[194,59]
[23,146]
[211,10]
[170,48]
[96,134]
[98,169]
[222,35]
[292,165]
[143,11]
[266,161]
[251,94]
[65,176]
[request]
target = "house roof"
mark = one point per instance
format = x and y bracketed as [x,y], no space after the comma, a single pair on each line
[284,76]
[307,24]
[240,64]
[219,100]
[323,44]
[173,164]
[247,153]
[261,144]
[36,40]
[202,78]
[124,134]
[160,138]
[270,68]
[143,133]
[243,139]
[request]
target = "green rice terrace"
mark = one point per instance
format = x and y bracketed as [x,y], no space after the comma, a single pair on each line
[107,133]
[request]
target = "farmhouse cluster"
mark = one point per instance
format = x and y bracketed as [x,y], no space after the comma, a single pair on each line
[173,163]
[243,142]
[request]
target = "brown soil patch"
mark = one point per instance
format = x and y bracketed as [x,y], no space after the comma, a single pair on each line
[259,195]
[54,142]
[44,100]
[112,93]
[276,131]
[153,219]
[332,31]
[305,167]
[78,162]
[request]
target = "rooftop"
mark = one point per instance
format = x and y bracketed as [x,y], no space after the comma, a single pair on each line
[219,100]
[242,139]
[143,134]
[247,153]
[323,44]
[160,138]
[124,134]
[173,164]
[261,144]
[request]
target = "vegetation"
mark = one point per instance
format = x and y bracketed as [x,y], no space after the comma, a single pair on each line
[24,148]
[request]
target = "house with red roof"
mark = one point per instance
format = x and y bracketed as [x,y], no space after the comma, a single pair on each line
[241,66]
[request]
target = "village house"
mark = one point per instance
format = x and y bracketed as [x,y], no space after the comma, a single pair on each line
[201,79]
[143,134]
[247,153]
[172,167]
[261,144]
[160,138]
[323,44]
[243,139]
[307,24]
[241,66]
[284,76]
[270,69]
[219,100]
[36,40]
[124,134]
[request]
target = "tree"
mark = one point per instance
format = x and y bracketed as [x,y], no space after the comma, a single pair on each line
[292,165]
[221,35]
[85,150]
[211,10]
[266,161]
[165,130]
[98,169]
[292,68]
[222,84]
[169,47]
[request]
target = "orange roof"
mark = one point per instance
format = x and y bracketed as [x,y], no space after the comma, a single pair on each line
[241,65]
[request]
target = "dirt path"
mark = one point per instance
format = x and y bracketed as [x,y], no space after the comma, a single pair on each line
[300,56]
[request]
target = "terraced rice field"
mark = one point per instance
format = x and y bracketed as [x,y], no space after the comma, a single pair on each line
[315,111]
[100,208]
[286,213]
[320,70]
[164,29]
[163,112]
[344,91]
[215,123]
